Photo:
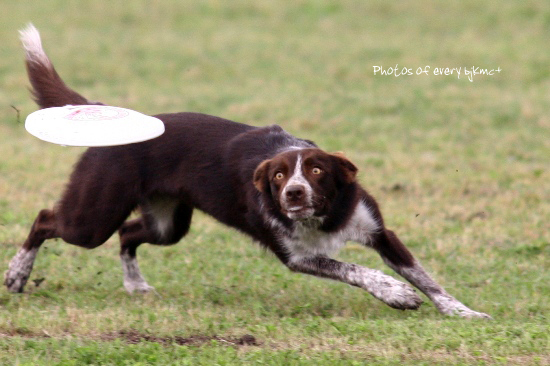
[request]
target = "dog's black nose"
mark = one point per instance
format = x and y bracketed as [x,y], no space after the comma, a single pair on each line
[295,193]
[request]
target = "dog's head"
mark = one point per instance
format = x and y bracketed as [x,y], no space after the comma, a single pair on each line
[304,183]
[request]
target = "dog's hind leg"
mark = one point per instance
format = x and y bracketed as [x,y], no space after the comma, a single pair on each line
[20,266]
[87,215]
[164,222]
[132,234]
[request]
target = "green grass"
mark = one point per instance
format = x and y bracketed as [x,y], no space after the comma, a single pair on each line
[461,170]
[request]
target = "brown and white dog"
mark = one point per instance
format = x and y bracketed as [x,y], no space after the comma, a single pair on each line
[298,201]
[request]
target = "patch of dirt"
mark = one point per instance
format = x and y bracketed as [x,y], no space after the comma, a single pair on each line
[133,337]
[22,332]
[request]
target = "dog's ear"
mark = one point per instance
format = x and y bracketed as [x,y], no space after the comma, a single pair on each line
[347,168]
[260,176]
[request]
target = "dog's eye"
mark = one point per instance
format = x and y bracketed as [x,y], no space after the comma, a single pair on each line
[316,170]
[279,175]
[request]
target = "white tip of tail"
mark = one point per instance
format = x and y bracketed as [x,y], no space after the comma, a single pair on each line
[30,37]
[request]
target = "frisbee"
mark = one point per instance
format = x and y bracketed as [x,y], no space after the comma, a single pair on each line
[92,125]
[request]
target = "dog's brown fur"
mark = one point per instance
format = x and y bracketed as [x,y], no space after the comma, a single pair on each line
[295,199]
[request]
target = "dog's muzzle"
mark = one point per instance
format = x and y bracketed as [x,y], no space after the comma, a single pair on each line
[296,202]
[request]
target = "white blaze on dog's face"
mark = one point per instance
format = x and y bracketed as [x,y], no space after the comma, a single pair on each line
[302,183]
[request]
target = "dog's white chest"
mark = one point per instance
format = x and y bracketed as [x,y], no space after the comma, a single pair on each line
[307,240]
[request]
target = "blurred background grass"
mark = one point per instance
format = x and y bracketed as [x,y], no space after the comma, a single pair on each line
[461,168]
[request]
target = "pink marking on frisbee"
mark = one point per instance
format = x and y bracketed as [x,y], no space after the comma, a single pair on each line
[97,114]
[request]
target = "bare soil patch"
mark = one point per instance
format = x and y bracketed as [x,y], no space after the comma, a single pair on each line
[133,337]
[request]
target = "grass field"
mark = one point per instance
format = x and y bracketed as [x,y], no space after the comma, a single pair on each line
[461,169]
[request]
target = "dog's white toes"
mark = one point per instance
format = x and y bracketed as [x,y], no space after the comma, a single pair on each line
[14,281]
[138,287]
[472,314]
[20,267]
[402,296]
[448,305]
[395,293]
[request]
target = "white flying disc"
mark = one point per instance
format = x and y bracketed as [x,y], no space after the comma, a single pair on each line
[92,125]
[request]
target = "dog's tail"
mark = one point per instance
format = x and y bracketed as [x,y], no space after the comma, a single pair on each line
[48,89]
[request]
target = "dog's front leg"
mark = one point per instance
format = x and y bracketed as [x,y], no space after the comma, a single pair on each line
[443,301]
[396,256]
[385,288]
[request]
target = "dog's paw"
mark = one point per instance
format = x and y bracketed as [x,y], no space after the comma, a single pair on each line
[401,296]
[394,293]
[19,270]
[473,314]
[448,305]
[138,287]
[465,312]
[15,281]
